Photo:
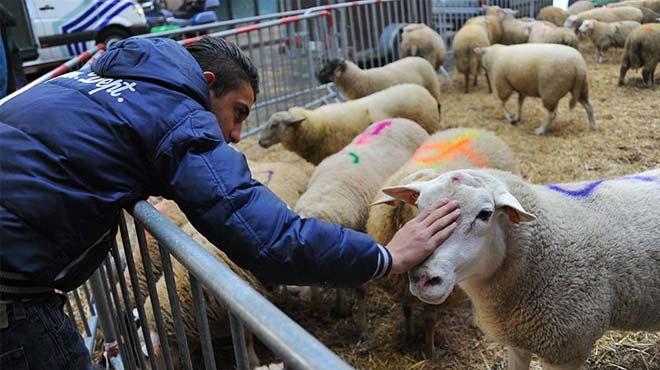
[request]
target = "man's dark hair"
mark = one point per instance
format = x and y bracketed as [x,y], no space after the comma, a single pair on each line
[229,64]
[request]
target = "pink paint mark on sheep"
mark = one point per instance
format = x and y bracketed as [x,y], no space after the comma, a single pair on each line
[375,130]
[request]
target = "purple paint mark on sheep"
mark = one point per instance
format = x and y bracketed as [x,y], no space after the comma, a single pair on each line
[588,189]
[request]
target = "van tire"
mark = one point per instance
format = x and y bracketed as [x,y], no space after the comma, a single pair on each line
[112,34]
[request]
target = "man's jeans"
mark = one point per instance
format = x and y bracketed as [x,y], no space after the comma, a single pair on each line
[41,337]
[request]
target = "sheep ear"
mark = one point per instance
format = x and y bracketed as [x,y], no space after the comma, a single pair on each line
[341,67]
[294,121]
[385,199]
[407,193]
[513,208]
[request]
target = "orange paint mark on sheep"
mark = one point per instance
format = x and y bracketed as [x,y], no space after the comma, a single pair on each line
[650,26]
[444,150]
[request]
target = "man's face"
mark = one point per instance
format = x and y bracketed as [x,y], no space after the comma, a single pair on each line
[232,109]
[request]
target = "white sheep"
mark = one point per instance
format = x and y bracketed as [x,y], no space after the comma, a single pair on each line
[642,50]
[624,13]
[548,71]
[344,184]
[548,33]
[548,268]
[653,5]
[604,35]
[418,39]
[471,35]
[355,82]
[444,151]
[579,7]
[514,31]
[316,134]
[554,15]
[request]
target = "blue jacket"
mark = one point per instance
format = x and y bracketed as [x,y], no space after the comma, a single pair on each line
[76,150]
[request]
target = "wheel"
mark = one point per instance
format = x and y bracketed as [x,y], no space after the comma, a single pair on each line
[111,35]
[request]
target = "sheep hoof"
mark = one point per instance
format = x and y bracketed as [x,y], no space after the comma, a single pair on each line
[512,119]
[539,132]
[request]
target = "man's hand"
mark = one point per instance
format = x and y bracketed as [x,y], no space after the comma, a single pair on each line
[419,237]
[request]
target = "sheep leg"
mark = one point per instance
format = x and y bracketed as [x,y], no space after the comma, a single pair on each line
[544,125]
[467,82]
[647,75]
[599,55]
[490,88]
[361,313]
[476,78]
[521,100]
[518,359]
[430,318]
[444,72]
[590,113]
[509,116]
[622,73]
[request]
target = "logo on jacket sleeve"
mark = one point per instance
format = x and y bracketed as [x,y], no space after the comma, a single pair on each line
[111,86]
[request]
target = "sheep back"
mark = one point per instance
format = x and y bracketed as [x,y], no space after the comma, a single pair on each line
[624,13]
[443,151]
[548,33]
[554,15]
[548,71]
[579,7]
[470,36]
[344,184]
[421,40]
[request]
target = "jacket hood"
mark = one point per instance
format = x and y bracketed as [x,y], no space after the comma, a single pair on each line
[158,60]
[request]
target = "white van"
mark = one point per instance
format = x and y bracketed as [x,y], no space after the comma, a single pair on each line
[56,30]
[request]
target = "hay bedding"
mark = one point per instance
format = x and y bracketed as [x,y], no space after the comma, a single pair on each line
[627,140]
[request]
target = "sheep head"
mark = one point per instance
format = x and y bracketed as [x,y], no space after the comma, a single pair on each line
[587,26]
[477,247]
[332,70]
[277,127]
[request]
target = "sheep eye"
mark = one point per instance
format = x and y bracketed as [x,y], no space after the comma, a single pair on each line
[484,215]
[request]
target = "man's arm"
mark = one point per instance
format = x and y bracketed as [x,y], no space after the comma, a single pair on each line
[212,184]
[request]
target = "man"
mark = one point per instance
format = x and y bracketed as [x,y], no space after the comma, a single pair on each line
[152,118]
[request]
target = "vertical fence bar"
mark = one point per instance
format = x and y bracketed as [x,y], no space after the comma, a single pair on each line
[370,40]
[81,311]
[238,340]
[202,323]
[362,43]
[101,301]
[153,295]
[124,347]
[177,317]
[88,299]
[132,271]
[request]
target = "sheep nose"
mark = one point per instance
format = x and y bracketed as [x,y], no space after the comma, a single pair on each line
[416,278]
[432,281]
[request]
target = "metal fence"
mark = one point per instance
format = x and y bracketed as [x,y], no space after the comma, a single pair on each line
[288,48]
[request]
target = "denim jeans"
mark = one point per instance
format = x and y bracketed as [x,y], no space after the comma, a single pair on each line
[41,337]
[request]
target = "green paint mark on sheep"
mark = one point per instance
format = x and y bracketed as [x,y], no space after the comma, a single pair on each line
[356,159]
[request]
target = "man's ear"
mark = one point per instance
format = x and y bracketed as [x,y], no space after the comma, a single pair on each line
[210,77]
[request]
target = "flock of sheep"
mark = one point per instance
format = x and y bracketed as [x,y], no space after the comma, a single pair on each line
[548,268]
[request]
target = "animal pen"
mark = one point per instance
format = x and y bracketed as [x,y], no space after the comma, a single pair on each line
[288,48]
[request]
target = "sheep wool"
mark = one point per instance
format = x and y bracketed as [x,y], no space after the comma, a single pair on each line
[642,50]
[604,35]
[316,134]
[355,82]
[443,151]
[548,33]
[548,71]
[421,40]
[580,6]
[344,184]
[537,260]
[554,15]
[470,36]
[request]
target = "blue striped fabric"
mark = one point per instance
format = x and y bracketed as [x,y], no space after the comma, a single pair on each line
[113,14]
